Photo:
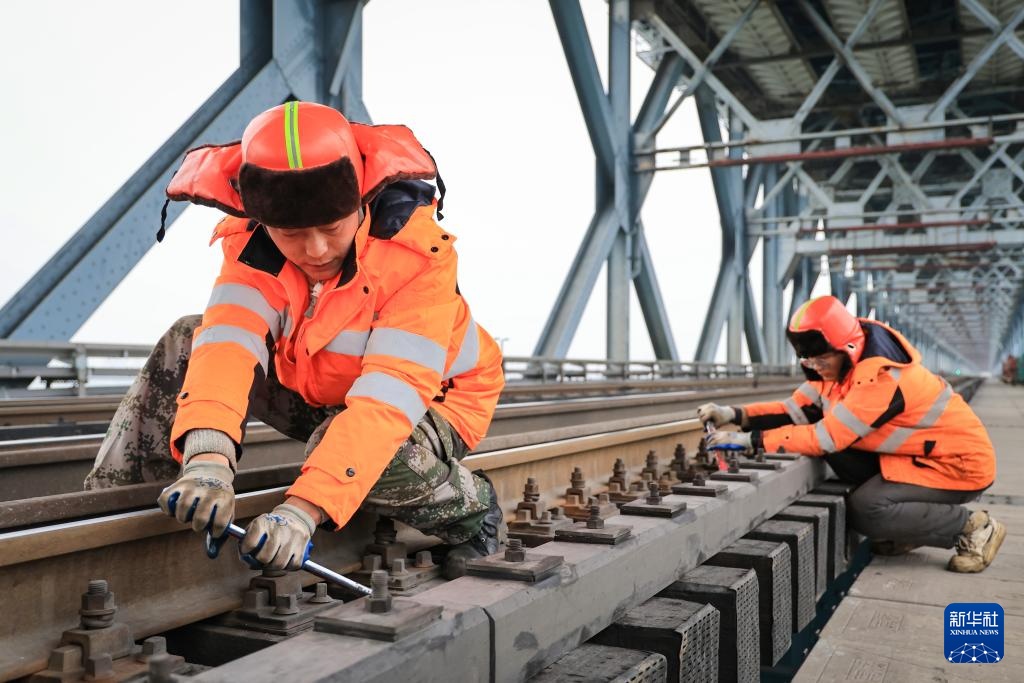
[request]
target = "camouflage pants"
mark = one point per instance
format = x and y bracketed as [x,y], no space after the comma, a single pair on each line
[425,485]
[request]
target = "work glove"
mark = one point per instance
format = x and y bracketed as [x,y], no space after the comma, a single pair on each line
[729,441]
[720,415]
[203,496]
[279,539]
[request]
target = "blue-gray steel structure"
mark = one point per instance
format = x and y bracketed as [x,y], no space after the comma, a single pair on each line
[888,151]
[288,49]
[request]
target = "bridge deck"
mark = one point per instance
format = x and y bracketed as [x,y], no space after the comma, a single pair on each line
[890,627]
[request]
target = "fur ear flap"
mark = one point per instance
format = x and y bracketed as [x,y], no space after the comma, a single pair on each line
[300,198]
[208,176]
[390,153]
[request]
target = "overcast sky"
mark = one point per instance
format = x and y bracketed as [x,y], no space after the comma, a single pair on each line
[94,88]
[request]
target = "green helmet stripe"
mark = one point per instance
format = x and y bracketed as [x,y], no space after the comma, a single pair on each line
[291,134]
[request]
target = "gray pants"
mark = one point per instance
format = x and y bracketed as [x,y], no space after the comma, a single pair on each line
[885,510]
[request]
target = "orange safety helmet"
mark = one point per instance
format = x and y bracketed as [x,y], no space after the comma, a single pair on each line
[300,165]
[822,325]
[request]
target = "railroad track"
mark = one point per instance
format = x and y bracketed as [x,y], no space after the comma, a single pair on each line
[488,629]
[40,466]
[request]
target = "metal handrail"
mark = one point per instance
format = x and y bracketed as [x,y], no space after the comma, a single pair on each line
[62,368]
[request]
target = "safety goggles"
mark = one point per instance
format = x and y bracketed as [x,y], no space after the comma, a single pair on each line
[817,362]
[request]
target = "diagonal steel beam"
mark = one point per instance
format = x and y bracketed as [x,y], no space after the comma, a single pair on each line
[705,68]
[572,30]
[993,24]
[62,295]
[980,59]
[849,60]
[677,44]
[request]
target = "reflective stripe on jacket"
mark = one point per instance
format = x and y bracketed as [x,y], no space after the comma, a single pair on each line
[387,337]
[925,433]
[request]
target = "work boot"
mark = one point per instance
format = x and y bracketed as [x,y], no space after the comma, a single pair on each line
[484,542]
[892,548]
[978,543]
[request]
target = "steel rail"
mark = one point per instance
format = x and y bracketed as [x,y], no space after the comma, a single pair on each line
[163,579]
[56,468]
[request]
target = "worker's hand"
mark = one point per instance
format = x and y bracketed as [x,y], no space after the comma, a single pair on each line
[203,496]
[279,539]
[730,441]
[720,415]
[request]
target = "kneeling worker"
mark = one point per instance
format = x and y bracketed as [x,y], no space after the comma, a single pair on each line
[337,320]
[913,447]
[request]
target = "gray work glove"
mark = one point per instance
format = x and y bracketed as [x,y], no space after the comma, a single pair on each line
[720,415]
[279,539]
[203,496]
[730,441]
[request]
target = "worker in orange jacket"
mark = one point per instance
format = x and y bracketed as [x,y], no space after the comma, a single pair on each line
[337,319]
[913,447]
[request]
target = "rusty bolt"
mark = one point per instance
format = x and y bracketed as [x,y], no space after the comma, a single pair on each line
[380,598]
[154,645]
[398,567]
[286,604]
[698,479]
[680,452]
[161,669]
[652,459]
[423,560]
[619,468]
[514,551]
[65,659]
[576,480]
[99,667]
[780,449]
[557,513]
[371,562]
[255,599]
[545,518]
[594,521]
[320,597]
[531,492]
[385,533]
[654,493]
[98,606]
[734,465]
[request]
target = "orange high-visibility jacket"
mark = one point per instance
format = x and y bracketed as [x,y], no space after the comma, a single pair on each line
[925,433]
[388,337]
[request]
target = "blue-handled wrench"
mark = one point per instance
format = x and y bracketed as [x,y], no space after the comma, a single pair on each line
[318,570]
[213,546]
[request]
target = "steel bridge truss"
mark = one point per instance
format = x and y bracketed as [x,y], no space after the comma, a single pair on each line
[889,154]
[838,135]
[289,49]
[862,143]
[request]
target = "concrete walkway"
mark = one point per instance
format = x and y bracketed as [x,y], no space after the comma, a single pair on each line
[890,627]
